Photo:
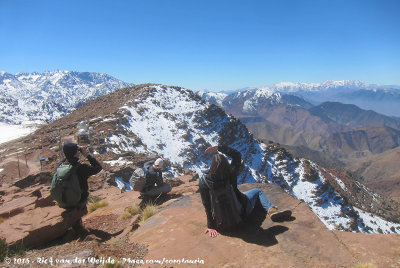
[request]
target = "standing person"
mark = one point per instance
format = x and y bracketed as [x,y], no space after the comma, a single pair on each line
[70,187]
[212,184]
[151,183]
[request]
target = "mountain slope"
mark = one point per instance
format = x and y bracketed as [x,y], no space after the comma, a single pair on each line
[38,98]
[343,133]
[352,116]
[359,142]
[178,125]
[175,123]
[380,172]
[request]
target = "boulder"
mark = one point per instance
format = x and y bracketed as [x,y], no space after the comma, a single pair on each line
[177,235]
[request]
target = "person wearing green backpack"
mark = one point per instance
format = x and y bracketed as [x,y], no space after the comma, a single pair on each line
[69,186]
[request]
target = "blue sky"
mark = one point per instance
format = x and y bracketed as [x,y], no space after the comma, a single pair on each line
[214,45]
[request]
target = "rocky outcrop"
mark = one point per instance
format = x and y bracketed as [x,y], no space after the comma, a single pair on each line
[176,234]
[31,217]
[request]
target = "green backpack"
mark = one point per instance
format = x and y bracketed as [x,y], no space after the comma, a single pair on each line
[65,187]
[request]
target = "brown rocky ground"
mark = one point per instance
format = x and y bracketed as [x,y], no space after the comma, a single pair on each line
[30,216]
[175,235]
[301,242]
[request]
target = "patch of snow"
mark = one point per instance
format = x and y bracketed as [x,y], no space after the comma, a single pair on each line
[376,223]
[119,162]
[108,119]
[170,123]
[11,132]
[340,182]
[249,106]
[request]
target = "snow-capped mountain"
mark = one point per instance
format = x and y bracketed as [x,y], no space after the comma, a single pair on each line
[214,97]
[178,125]
[314,87]
[37,98]
[382,99]
[250,102]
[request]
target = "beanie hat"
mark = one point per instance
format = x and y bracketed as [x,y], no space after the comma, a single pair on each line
[70,149]
[159,163]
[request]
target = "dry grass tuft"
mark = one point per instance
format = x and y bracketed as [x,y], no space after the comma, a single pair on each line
[97,205]
[149,210]
[94,199]
[131,211]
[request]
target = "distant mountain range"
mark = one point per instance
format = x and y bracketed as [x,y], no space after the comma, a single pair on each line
[43,97]
[382,99]
[330,132]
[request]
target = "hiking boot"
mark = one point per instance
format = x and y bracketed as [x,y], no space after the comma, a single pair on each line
[277,215]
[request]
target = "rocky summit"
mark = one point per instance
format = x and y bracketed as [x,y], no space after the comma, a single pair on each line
[331,211]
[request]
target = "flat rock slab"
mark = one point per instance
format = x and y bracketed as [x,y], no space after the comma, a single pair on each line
[177,233]
[377,249]
[38,226]
[17,206]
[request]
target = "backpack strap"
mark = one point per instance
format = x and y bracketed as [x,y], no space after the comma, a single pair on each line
[205,181]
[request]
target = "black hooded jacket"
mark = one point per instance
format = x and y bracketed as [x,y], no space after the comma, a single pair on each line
[84,171]
[205,192]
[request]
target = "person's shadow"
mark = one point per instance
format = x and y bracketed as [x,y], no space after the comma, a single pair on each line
[252,232]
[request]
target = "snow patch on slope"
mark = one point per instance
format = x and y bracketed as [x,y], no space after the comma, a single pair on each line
[11,132]
[175,124]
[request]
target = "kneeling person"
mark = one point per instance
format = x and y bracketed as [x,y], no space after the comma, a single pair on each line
[151,184]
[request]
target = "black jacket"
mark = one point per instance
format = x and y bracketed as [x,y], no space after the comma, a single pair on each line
[205,192]
[153,176]
[84,171]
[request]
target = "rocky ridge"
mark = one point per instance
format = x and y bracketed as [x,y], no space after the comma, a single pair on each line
[331,133]
[174,123]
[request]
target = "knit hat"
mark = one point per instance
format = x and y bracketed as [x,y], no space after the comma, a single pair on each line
[70,149]
[159,163]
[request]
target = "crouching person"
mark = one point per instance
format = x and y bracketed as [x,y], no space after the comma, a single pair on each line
[149,181]
[69,186]
[226,207]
